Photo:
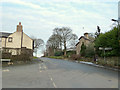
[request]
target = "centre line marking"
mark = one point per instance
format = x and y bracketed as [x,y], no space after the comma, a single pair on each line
[54,85]
[40,67]
[51,79]
[45,67]
[40,71]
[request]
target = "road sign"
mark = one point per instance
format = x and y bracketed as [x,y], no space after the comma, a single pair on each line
[100,48]
[104,49]
[108,48]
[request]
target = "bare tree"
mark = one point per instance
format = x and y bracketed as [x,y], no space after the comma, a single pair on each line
[53,44]
[73,41]
[64,35]
[38,43]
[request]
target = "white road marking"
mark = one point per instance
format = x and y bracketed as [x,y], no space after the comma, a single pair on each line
[40,71]
[51,79]
[45,67]
[40,67]
[54,85]
[48,74]
[7,70]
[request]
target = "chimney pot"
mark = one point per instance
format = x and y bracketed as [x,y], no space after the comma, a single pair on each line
[19,27]
[86,35]
[19,23]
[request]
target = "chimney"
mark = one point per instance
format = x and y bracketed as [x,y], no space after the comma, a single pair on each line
[19,27]
[86,35]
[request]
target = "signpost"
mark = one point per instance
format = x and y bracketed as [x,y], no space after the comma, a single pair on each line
[105,49]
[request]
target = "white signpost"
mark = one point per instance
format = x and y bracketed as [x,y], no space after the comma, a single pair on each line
[105,49]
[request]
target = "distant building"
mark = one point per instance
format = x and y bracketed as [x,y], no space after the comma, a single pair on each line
[83,39]
[15,42]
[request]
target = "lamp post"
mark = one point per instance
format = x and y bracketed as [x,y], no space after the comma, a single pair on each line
[118,38]
[118,29]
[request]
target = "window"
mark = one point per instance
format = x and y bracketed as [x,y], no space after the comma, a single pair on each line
[10,39]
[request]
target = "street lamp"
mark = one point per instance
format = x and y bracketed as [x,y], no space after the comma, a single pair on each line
[118,38]
[114,20]
[118,29]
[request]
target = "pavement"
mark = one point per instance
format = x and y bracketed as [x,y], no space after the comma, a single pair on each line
[55,73]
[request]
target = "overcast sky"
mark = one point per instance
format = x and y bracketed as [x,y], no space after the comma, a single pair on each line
[40,17]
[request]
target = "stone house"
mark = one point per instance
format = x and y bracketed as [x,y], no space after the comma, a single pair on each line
[16,42]
[83,39]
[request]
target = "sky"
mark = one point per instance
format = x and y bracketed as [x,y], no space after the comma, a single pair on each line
[40,17]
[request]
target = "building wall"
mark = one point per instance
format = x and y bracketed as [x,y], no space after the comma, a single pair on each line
[3,42]
[16,40]
[78,47]
[19,40]
[27,42]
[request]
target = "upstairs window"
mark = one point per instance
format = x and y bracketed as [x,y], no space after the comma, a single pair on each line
[10,39]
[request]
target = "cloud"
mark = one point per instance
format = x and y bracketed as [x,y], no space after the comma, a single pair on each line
[19,2]
[43,17]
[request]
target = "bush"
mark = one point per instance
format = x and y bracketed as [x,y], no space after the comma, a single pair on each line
[89,52]
[58,53]
[22,57]
[108,39]
[69,53]
[6,55]
[56,57]
[83,48]
[75,57]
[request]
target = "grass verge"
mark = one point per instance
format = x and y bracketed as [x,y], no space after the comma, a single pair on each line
[56,57]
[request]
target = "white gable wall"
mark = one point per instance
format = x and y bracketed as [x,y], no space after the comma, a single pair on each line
[16,40]
[3,42]
[27,42]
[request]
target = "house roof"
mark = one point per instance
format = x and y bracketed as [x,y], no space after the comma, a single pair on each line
[84,38]
[4,34]
[77,43]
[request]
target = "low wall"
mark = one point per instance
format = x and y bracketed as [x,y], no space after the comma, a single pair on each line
[23,54]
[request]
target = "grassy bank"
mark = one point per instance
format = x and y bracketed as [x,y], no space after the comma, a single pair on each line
[56,57]
[109,61]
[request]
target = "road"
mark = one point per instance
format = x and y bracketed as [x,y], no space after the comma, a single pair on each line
[52,73]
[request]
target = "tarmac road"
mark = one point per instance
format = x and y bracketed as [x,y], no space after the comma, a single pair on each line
[55,73]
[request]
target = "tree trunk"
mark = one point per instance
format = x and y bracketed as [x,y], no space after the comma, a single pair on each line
[64,48]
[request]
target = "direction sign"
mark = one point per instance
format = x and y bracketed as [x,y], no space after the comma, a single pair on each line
[107,48]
